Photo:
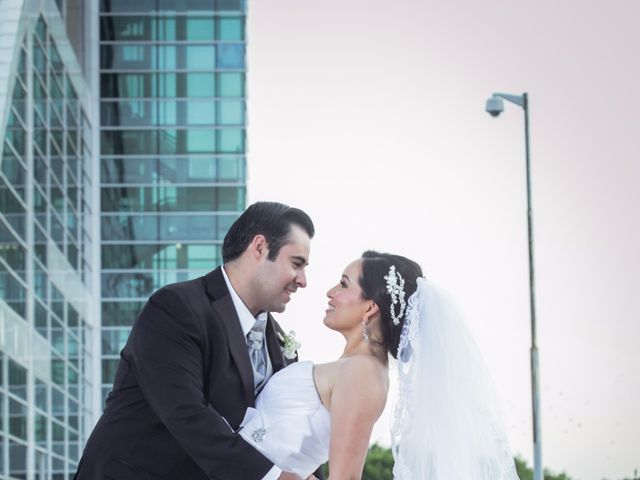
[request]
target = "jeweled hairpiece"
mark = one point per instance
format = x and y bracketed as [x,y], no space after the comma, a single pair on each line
[395,288]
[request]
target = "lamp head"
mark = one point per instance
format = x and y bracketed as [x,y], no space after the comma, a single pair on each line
[495,106]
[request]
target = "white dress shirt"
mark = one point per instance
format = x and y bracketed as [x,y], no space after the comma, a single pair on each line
[246,323]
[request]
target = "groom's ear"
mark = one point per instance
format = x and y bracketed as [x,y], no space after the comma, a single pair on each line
[259,246]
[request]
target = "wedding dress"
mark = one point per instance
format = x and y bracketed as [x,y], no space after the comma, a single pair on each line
[447,423]
[289,425]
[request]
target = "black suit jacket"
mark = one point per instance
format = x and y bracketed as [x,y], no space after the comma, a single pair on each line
[184,367]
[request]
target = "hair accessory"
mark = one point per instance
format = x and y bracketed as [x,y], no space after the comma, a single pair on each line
[395,288]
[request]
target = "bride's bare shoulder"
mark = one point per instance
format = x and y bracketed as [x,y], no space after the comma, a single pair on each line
[366,366]
[364,381]
[365,372]
[357,375]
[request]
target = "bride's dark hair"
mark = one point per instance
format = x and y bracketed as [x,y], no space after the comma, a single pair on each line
[375,266]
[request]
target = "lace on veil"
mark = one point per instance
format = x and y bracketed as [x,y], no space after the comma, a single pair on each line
[447,423]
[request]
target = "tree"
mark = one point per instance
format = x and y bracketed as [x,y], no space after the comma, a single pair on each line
[379,466]
[525,473]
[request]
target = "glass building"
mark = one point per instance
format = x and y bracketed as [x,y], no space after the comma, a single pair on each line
[122,165]
[47,220]
[172,154]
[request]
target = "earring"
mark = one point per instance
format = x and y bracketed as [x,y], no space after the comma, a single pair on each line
[365,331]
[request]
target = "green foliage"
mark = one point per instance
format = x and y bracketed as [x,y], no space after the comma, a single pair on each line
[526,473]
[379,466]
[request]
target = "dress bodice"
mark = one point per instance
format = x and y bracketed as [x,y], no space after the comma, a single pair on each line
[289,425]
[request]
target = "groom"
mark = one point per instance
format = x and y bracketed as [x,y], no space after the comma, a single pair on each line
[195,359]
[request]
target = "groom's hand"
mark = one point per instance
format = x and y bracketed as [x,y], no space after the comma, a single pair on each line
[289,476]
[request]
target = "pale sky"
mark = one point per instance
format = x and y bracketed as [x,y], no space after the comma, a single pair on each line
[370,116]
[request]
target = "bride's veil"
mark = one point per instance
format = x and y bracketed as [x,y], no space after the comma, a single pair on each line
[447,424]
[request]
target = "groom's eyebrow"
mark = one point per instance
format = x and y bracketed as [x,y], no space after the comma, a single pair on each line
[345,277]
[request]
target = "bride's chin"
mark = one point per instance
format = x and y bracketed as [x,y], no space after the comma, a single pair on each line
[326,322]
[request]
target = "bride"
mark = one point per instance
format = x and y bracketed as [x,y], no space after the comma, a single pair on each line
[446,423]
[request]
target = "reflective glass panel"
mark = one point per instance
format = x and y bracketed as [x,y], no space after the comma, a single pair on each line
[113,340]
[200,29]
[168,227]
[121,313]
[160,256]
[173,169]
[168,198]
[231,28]
[200,85]
[231,84]
[201,57]
[231,112]
[230,56]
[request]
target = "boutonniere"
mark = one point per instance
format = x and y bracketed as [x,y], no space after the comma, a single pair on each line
[289,344]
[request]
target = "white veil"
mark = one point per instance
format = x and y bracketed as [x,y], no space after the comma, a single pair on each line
[447,423]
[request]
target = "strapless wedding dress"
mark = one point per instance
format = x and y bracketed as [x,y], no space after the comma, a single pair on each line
[289,425]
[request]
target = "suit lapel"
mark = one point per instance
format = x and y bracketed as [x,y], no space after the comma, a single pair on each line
[278,361]
[223,305]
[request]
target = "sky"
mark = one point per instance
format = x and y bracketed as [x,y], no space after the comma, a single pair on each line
[370,116]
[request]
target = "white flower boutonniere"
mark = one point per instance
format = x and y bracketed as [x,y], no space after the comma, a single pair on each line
[289,344]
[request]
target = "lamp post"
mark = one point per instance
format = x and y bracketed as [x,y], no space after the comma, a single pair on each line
[494,107]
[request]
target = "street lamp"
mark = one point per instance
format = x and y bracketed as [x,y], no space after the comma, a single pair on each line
[494,107]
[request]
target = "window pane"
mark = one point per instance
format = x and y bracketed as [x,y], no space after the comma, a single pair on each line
[124,85]
[176,169]
[231,84]
[201,85]
[159,113]
[133,142]
[17,460]
[41,430]
[229,4]
[17,419]
[231,112]
[201,57]
[161,256]
[199,28]
[120,313]
[230,56]
[41,395]
[17,379]
[166,198]
[109,367]
[201,141]
[126,5]
[12,291]
[185,5]
[164,29]
[169,227]
[231,29]
[113,340]
[135,285]
[200,112]
[232,140]
[125,28]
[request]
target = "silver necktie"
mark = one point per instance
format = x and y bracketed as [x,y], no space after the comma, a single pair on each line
[255,342]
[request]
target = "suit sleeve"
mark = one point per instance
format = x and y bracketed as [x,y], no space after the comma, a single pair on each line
[168,356]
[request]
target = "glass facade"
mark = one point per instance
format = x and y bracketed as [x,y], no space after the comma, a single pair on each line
[172,155]
[45,259]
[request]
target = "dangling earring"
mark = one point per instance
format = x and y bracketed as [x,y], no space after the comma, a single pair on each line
[365,331]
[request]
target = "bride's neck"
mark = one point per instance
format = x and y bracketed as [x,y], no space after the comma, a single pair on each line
[359,346]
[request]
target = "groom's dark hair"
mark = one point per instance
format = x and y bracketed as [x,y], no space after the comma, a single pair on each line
[271,219]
